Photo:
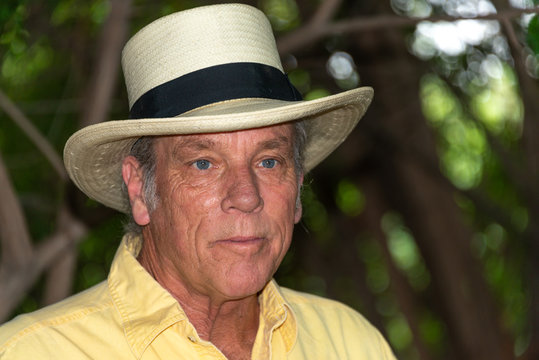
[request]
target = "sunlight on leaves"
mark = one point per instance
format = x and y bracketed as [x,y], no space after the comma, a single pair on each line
[401,243]
[399,332]
[466,8]
[462,159]
[13,35]
[301,79]
[498,105]
[438,103]
[283,14]
[73,10]
[412,8]
[523,4]
[99,11]
[349,198]
[23,67]
[316,94]
[432,330]
[342,68]
[377,276]
[404,251]
[450,38]
[463,145]
[62,12]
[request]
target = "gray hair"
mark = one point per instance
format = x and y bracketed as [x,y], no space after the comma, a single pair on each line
[143,151]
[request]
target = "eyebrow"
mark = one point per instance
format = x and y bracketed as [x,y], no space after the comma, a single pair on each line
[192,144]
[196,143]
[275,143]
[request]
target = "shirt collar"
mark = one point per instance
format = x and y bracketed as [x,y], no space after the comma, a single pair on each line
[276,315]
[146,308]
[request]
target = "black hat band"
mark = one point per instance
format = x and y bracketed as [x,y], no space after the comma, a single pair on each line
[211,85]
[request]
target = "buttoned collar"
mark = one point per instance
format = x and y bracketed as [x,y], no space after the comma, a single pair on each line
[147,309]
[275,316]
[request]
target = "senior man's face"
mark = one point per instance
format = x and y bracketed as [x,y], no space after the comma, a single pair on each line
[226,208]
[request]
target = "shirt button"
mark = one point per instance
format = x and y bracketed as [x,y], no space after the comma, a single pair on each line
[191,338]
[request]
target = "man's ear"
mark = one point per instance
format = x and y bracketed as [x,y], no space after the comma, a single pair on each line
[134,181]
[299,208]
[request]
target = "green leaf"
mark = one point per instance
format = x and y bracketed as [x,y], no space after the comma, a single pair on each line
[533,34]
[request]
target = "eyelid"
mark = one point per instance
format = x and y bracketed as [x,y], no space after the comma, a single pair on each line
[278,161]
[195,162]
[268,159]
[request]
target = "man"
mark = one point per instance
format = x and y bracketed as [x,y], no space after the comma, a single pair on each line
[209,166]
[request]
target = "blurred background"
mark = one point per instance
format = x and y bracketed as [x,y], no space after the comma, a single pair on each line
[424,220]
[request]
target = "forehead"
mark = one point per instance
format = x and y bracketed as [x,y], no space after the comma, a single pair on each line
[277,136]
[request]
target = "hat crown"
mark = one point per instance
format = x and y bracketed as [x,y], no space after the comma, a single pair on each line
[191,40]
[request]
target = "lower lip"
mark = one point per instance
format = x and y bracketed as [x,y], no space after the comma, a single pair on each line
[244,243]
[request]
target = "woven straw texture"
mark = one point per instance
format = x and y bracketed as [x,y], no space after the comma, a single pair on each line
[248,38]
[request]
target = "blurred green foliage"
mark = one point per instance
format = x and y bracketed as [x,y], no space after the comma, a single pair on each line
[404,251]
[532,37]
[349,198]
[283,14]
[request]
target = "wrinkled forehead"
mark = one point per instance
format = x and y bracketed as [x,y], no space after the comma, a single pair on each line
[276,136]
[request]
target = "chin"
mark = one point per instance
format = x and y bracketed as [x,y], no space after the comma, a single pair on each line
[245,286]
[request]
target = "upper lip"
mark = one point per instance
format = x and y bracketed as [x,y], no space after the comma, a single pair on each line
[240,238]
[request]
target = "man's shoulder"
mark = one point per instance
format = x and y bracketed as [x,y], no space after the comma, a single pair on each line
[323,313]
[328,327]
[305,302]
[79,307]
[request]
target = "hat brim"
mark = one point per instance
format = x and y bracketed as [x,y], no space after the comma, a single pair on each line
[93,156]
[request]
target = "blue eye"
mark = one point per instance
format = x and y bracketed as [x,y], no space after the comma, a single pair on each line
[202,164]
[268,163]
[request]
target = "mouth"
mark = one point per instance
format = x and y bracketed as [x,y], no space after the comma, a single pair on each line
[241,240]
[242,243]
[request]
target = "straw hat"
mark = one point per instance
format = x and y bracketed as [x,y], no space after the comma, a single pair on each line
[209,69]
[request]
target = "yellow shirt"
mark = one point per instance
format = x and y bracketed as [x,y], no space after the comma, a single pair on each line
[130,316]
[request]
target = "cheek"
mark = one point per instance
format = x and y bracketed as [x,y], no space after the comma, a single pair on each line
[286,195]
[280,204]
[188,208]
[191,190]
[179,195]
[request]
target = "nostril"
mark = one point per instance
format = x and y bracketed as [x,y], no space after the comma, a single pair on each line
[243,195]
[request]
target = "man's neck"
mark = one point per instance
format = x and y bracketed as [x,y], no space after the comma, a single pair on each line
[230,324]
[218,319]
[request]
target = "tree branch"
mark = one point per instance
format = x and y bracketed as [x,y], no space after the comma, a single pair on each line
[14,236]
[33,134]
[59,277]
[306,35]
[326,11]
[104,78]
[15,282]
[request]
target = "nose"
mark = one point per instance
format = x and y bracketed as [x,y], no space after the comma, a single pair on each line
[242,193]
